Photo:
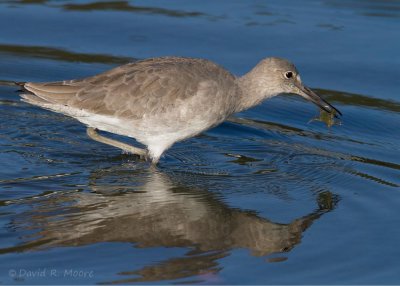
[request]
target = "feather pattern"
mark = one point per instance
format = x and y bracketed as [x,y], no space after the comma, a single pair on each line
[157,101]
[147,87]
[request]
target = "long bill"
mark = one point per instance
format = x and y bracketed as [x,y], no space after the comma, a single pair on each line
[317,100]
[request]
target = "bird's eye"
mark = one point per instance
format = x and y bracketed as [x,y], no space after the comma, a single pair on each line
[288,74]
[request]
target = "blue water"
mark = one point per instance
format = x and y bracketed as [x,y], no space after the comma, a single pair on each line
[269,197]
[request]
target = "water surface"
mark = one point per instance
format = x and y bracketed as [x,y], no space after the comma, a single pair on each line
[269,197]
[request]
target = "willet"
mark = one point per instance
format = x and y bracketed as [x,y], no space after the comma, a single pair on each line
[160,101]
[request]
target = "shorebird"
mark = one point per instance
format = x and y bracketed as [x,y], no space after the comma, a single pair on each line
[160,101]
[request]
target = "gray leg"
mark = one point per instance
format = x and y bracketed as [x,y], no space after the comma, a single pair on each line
[92,133]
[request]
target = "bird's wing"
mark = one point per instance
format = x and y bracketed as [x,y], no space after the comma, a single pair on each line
[134,89]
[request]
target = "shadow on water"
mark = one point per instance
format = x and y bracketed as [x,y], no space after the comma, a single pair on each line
[152,209]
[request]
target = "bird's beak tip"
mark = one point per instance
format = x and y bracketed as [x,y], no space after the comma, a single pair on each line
[310,95]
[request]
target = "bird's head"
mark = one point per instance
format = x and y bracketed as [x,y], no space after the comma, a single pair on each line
[281,76]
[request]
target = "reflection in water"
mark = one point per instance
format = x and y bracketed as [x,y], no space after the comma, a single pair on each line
[61,55]
[315,153]
[150,209]
[124,6]
[372,8]
[347,99]
[28,1]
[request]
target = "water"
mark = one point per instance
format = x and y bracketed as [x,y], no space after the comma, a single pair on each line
[267,197]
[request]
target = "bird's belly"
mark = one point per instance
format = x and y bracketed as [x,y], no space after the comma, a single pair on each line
[105,123]
[149,131]
[170,132]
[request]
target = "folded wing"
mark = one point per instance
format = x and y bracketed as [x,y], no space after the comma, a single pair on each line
[129,91]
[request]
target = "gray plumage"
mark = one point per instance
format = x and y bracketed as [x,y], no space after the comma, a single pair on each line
[160,101]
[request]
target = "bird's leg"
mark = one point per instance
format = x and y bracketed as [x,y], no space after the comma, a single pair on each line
[92,133]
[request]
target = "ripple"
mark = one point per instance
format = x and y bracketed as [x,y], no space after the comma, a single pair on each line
[313,160]
[36,178]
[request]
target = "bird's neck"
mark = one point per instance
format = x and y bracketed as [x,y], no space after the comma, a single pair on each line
[253,90]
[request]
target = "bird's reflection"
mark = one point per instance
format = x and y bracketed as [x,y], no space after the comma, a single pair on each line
[152,209]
